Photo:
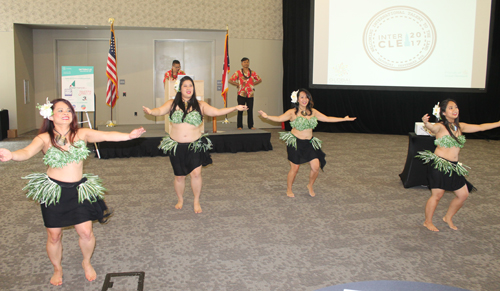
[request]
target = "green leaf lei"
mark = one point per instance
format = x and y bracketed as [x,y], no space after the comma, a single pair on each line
[169,145]
[200,145]
[291,140]
[45,191]
[441,164]
[55,158]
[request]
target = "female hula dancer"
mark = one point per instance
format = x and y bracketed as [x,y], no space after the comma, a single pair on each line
[445,172]
[187,147]
[302,147]
[67,196]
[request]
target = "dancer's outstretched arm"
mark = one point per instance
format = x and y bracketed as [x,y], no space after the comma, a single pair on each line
[212,111]
[282,118]
[23,154]
[465,127]
[91,135]
[321,117]
[160,111]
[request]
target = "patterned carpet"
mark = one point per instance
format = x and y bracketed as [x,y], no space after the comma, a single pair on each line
[362,225]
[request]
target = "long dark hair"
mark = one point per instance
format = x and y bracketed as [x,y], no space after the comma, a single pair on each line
[192,103]
[309,106]
[444,120]
[48,125]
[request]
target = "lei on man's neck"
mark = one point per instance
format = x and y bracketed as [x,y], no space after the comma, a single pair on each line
[249,73]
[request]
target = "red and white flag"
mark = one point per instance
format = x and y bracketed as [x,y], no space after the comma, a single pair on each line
[112,87]
[225,70]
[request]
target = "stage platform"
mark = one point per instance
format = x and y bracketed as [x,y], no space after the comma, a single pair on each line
[228,139]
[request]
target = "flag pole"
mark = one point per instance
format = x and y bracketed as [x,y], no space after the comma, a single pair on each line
[226,121]
[112,101]
[111,124]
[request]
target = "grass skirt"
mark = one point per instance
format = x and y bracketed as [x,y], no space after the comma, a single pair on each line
[445,181]
[187,157]
[69,211]
[444,174]
[305,153]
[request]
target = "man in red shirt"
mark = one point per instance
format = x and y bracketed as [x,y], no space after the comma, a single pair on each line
[245,80]
[171,75]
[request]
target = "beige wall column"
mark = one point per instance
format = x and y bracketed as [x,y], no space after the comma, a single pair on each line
[23,51]
[7,77]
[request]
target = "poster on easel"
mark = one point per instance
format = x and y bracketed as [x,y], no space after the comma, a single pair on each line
[77,86]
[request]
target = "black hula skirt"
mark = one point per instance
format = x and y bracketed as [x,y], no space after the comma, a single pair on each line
[69,212]
[185,160]
[305,152]
[440,180]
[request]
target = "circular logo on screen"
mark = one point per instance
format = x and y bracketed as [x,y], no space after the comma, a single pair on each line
[399,38]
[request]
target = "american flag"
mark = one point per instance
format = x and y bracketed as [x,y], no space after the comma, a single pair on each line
[225,70]
[112,88]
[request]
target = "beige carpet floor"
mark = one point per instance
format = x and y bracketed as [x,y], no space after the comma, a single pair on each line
[362,225]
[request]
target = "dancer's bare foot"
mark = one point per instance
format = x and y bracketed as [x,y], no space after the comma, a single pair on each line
[290,194]
[252,128]
[197,208]
[430,226]
[311,191]
[89,271]
[450,223]
[56,278]
[179,204]
[239,128]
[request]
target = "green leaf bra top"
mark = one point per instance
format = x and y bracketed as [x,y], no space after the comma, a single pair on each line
[193,117]
[448,142]
[302,123]
[55,158]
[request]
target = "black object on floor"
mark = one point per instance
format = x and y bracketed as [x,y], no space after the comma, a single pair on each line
[109,284]
[4,123]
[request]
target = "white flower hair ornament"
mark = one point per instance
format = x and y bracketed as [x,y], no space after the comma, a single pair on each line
[177,86]
[45,109]
[436,110]
[294,96]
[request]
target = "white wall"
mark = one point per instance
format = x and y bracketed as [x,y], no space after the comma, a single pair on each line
[23,47]
[257,19]
[8,77]
[258,37]
[136,66]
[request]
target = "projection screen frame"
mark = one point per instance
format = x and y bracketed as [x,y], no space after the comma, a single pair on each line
[401,88]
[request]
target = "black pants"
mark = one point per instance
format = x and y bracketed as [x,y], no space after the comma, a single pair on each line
[249,103]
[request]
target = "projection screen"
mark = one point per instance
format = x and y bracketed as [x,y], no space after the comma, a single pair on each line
[437,45]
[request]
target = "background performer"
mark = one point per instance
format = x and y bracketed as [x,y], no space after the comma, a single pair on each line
[171,75]
[187,147]
[245,79]
[302,147]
